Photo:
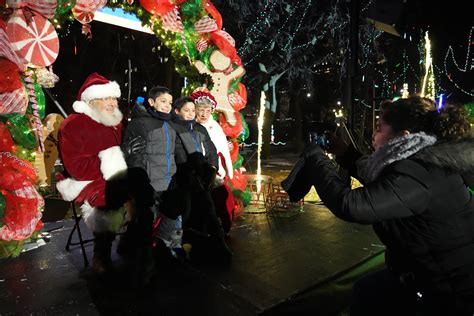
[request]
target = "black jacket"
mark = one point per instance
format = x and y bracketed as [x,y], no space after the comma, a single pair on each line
[195,138]
[158,158]
[420,208]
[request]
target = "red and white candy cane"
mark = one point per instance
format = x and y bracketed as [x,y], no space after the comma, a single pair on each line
[30,86]
[172,22]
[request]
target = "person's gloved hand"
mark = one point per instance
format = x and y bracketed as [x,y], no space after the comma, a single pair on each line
[336,145]
[135,146]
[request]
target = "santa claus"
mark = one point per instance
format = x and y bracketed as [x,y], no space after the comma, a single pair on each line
[89,146]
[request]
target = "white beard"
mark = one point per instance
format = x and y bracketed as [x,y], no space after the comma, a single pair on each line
[106,119]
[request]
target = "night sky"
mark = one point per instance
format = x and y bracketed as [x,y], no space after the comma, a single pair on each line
[112,47]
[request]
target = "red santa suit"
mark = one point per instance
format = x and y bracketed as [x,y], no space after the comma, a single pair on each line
[91,155]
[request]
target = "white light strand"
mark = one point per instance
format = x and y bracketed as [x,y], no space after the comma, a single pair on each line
[450,52]
[261,118]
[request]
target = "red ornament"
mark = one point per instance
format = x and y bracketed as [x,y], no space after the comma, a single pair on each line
[82,16]
[35,42]
[84,10]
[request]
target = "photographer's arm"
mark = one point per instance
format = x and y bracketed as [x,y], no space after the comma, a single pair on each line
[346,155]
[395,195]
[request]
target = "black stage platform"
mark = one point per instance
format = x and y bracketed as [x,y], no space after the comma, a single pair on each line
[305,262]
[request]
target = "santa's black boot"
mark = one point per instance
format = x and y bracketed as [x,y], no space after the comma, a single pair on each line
[102,262]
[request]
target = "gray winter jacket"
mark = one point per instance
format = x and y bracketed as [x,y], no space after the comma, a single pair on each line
[158,158]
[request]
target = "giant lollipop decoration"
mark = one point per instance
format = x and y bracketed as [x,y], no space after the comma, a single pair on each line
[36,42]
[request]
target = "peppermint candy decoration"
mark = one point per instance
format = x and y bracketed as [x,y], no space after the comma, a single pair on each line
[46,8]
[206,25]
[15,101]
[202,45]
[84,10]
[36,42]
[83,17]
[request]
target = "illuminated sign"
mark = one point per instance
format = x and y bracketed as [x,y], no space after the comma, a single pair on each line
[120,18]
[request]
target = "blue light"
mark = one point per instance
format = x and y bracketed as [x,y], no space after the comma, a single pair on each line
[440,103]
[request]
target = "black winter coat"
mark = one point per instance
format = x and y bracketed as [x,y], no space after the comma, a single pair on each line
[195,138]
[422,211]
[158,158]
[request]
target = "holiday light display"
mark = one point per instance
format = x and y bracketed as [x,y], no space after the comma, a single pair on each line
[191,29]
[261,119]
[428,86]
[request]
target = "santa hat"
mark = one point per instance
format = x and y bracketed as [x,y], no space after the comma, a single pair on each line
[95,87]
[201,94]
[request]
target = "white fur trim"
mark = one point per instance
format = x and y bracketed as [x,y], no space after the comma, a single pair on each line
[103,221]
[111,89]
[112,162]
[219,139]
[81,107]
[70,188]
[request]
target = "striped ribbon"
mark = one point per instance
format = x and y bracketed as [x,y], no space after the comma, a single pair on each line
[6,50]
[46,8]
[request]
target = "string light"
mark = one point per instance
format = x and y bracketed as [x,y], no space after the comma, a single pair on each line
[405,91]
[428,87]
[261,118]
[450,52]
